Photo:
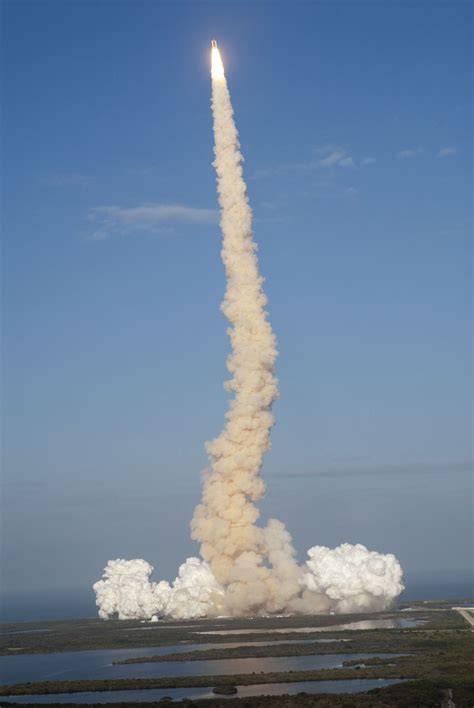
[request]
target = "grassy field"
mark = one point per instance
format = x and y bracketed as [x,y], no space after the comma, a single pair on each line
[438,658]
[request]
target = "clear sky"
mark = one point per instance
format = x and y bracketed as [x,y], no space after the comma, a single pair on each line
[355,122]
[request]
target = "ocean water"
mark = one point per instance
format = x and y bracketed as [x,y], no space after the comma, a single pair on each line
[47,605]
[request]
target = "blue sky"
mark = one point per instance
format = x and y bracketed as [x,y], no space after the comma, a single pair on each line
[355,122]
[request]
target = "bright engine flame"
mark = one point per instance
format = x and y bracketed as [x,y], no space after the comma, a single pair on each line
[217,70]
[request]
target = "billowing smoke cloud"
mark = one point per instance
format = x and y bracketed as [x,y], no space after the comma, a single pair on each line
[353,578]
[127,591]
[195,592]
[342,580]
[247,569]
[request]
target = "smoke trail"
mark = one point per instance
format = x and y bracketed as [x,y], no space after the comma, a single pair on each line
[246,569]
[224,522]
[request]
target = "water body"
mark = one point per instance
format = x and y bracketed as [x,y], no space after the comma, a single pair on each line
[177,694]
[24,631]
[267,643]
[97,664]
[362,624]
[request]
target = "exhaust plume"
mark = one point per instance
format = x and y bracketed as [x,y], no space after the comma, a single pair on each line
[224,522]
[246,569]
[127,592]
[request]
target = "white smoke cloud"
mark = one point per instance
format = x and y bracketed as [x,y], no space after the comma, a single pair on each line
[126,591]
[354,578]
[246,569]
[342,580]
[195,592]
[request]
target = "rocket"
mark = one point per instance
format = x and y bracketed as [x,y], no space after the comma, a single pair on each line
[217,69]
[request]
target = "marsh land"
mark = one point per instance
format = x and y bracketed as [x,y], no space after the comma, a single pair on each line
[419,655]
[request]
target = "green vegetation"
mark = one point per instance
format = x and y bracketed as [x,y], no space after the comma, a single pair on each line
[390,641]
[80,635]
[127,684]
[446,662]
[437,663]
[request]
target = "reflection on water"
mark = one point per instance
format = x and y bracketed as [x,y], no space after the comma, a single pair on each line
[267,643]
[159,625]
[98,665]
[177,694]
[22,631]
[42,667]
[363,624]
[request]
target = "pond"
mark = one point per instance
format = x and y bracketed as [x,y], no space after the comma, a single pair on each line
[362,624]
[97,664]
[23,631]
[265,689]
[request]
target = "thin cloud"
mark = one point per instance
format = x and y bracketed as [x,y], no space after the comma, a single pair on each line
[408,153]
[285,169]
[335,157]
[263,173]
[269,220]
[150,218]
[346,161]
[268,214]
[329,156]
[368,161]
[67,179]
[447,152]
[409,469]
